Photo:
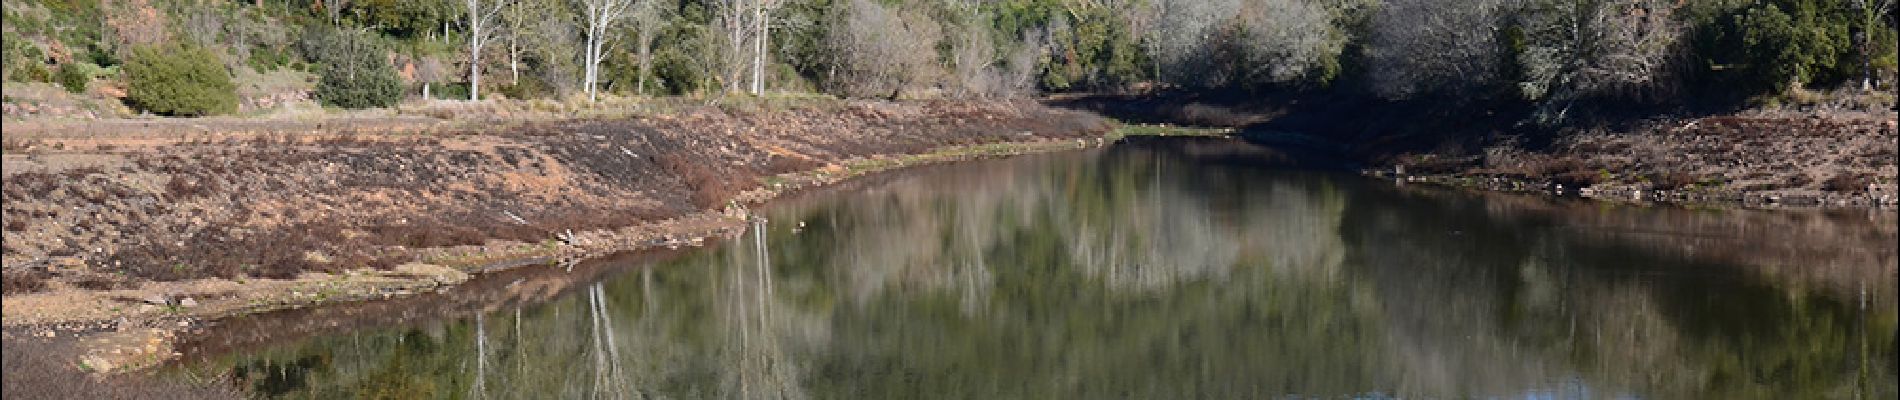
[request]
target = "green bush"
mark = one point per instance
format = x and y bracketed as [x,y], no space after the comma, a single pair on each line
[178,80]
[356,72]
[73,77]
[265,59]
[528,88]
[451,90]
[23,61]
[1769,46]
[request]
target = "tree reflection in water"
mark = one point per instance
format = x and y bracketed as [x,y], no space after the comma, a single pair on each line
[1151,271]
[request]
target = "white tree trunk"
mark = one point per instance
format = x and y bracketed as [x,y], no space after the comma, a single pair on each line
[601,15]
[646,63]
[514,61]
[735,38]
[474,72]
[474,49]
[758,47]
[478,19]
[514,46]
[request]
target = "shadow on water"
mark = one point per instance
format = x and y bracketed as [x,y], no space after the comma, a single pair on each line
[1150,269]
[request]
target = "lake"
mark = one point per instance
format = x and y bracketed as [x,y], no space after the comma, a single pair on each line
[1158,269]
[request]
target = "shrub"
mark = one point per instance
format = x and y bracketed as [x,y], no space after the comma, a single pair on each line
[73,77]
[356,73]
[23,60]
[179,80]
[528,88]
[266,59]
[1770,46]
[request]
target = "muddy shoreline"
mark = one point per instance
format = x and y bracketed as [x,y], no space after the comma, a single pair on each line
[1751,158]
[643,183]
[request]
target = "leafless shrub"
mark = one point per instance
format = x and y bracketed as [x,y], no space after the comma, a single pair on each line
[778,164]
[883,52]
[1179,33]
[19,281]
[1576,49]
[1286,41]
[1847,182]
[709,186]
[1422,46]
[134,23]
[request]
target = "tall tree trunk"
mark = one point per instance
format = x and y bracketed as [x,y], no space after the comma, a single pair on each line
[646,59]
[758,47]
[475,73]
[1866,62]
[587,74]
[735,33]
[474,49]
[514,45]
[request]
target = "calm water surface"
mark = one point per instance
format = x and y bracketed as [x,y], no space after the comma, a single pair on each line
[1170,270]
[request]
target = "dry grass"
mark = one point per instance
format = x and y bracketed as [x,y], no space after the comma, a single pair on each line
[16,281]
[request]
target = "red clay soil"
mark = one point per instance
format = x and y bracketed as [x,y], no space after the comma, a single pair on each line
[99,213]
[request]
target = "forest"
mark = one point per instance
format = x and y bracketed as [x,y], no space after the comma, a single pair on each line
[204,57]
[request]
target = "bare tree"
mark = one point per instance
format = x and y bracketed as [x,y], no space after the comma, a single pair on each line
[648,20]
[1284,41]
[481,14]
[1182,31]
[733,23]
[516,20]
[761,35]
[543,38]
[880,51]
[730,23]
[1432,45]
[203,25]
[600,17]
[746,25]
[977,63]
[134,23]
[972,54]
[1019,73]
[1574,49]
[429,70]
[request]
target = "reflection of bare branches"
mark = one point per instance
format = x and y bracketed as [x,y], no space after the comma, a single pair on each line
[608,376]
[760,368]
[477,387]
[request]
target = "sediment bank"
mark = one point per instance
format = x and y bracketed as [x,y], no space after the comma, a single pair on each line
[123,242]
